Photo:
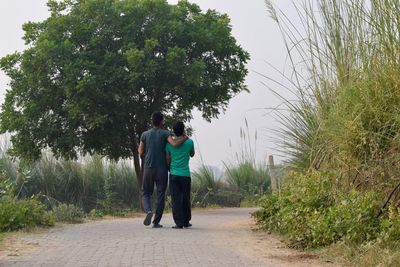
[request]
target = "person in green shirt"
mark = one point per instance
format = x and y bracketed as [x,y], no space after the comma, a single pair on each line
[179,178]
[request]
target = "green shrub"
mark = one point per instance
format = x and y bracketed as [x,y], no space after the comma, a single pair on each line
[267,215]
[312,214]
[6,188]
[95,214]
[390,226]
[352,218]
[17,214]
[68,214]
[303,194]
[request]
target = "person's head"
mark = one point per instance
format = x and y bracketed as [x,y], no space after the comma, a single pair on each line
[179,128]
[157,118]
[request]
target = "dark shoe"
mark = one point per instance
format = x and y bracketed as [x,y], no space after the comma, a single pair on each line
[187,225]
[157,225]
[147,220]
[177,227]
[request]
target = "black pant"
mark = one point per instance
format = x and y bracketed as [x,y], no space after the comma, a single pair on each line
[179,187]
[159,177]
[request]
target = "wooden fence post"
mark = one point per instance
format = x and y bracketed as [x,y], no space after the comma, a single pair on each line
[271,169]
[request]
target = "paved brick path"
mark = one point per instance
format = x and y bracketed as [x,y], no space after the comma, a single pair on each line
[218,238]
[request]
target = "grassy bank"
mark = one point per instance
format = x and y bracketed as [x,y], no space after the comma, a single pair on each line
[342,131]
[344,223]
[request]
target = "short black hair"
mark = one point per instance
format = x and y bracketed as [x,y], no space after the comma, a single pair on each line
[178,128]
[157,118]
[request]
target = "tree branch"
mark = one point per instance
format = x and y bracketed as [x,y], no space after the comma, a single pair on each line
[387,200]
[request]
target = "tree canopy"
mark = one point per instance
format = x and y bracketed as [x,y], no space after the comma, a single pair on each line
[95,70]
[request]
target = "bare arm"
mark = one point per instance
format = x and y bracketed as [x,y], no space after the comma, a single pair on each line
[168,157]
[176,143]
[192,151]
[141,149]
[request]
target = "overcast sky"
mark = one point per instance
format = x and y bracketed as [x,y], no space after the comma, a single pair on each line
[219,140]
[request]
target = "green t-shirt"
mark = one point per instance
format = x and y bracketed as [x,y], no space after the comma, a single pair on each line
[155,141]
[180,158]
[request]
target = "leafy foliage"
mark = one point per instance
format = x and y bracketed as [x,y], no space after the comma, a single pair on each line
[17,214]
[312,213]
[391,226]
[94,71]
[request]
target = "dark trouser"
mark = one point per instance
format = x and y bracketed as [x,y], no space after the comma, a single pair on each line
[159,177]
[179,187]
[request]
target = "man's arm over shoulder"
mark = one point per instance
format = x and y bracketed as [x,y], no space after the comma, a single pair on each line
[178,142]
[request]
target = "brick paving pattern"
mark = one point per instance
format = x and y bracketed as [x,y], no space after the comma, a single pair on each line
[218,238]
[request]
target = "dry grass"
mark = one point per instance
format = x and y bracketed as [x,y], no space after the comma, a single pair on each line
[368,255]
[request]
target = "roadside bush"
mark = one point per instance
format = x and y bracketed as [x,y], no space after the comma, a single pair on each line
[312,213]
[68,214]
[95,214]
[351,218]
[6,188]
[383,251]
[391,226]
[16,214]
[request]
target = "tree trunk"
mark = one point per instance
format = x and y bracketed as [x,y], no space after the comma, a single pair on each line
[138,170]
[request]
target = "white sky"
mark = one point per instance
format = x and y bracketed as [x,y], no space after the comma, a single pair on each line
[253,29]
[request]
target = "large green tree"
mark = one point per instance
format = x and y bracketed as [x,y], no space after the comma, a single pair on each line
[95,70]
